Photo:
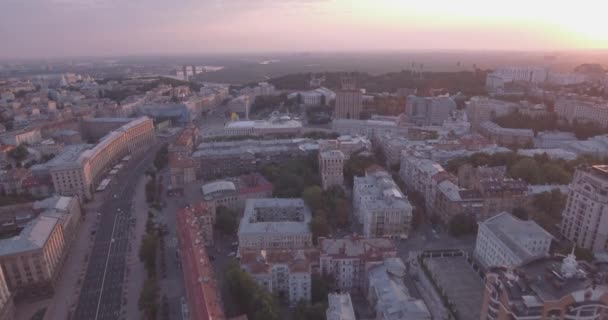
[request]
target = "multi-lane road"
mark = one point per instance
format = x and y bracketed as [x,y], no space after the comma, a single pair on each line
[101,296]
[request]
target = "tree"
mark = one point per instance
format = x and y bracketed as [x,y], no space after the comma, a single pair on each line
[520,213]
[148,298]
[554,174]
[319,225]
[304,311]
[18,154]
[151,190]
[462,224]
[313,196]
[526,169]
[227,220]
[162,157]
[320,286]
[147,252]
[341,216]
[250,298]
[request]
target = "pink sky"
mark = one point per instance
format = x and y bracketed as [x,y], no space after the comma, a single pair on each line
[52,28]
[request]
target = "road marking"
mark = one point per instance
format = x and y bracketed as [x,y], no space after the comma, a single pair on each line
[105,269]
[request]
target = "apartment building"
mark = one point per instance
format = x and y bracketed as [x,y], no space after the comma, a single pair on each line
[504,240]
[275,224]
[546,288]
[481,109]
[201,215]
[380,206]
[19,137]
[368,128]
[282,271]
[348,145]
[233,192]
[275,126]
[331,168]
[585,217]
[388,295]
[506,136]
[584,109]
[348,259]
[7,305]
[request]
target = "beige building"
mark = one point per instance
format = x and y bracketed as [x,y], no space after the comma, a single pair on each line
[331,167]
[201,215]
[7,306]
[79,168]
[349,101]
[585,217]
[19,137]
[275,224]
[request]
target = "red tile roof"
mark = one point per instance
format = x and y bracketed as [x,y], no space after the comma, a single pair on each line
[203,299]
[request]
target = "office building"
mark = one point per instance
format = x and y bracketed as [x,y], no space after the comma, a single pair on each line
[585,217]
[505,240]
[348,259]
[585,109]
[481,109]
[331,168]
[380,206]
[546,288]
[339,307]
[282,271]
[233,192]
[429,111]
[276,125]
[349,101]
[275,224]
[506,136]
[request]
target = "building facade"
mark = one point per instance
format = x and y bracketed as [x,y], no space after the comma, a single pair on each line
[585,217]
[233,192]
[7,306]
[331,168]
[339,307]
[429,111]
[349,101]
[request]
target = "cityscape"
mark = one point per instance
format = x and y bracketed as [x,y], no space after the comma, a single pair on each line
[287,174]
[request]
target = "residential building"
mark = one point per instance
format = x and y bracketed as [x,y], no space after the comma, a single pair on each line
[506,241]
[452,200]
[553,139]
[348,259]
[201,215]
[429,111]
[580,108]
[331,168]
[501,77]
[585,217]
[349,100]
[348,145]
[202,296]
[380,206]
[275,224]
[264,89]
[481,109]
[285,272]
[182,170]
[369,128]
[506,136]
[545,289]
[7,306]
[339,307]
[233,192]
[316,97]
[388,295]
[19,137]
[421,175]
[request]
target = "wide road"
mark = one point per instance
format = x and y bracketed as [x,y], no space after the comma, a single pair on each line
[101,296]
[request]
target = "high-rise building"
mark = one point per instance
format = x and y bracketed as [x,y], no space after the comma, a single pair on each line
[585,218]
[331,167]
[546,289]
[349,100]
[429,111]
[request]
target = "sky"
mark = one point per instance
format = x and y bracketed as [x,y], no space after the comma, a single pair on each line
[69,28]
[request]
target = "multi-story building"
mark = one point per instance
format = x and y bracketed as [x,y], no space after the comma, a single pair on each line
[388,295]
[380,206]
[7,306]
[348,259]
[240,105]
[234,192]
[422,175]
[201,215]
[316,97]
[582,109]
[506,136]
[349,100]
[79,168]
[585,217]
[496,80]
[202,296]
[482,109]
[545,289]
[349,145]
[18,137]
[339,307]
[368,128]
[282,271]
[182,170]
[553,139]
[429,111]
[452,200]
[233,158]
[507,241]
[274,126]
[331,168]
[275,224]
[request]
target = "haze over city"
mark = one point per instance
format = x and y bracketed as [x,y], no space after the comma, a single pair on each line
[68,28]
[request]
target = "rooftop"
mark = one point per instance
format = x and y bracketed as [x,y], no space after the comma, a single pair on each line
[275,216]
[34,236]
[340,307]
[356,246]
[261,261]
[69,156]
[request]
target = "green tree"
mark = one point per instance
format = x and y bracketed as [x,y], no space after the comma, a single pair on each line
[147,252]
[462,224]
[521,213]
[151,190]
[314,198]
[320,286]
[18,154]
[304,311]
[554,174]
[148,299]
[526,169]
[162,157]
[319,227]
[226,220]
[250,298]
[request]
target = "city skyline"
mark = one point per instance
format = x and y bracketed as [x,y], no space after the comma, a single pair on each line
[67,28]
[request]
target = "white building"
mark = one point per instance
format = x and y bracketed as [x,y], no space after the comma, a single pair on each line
[331,168]
[314,97]
[368,128]
[585,217]
[510,74]
[481,109]
[348,145]
[553,139]
[339,307]
[418,175]
[429,111]
[274,126]
[7,306]
[264,89]
[389,296]
[21,136]
[282,271]
[275,224]
[582,109]
[348,259]
[551,153]
[380,206]
[505,240]
[565,79]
